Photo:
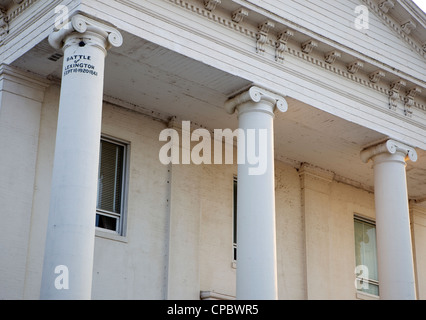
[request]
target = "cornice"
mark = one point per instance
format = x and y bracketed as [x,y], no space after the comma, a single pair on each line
[23,77]
[262,38]
[418,16]
[16,26]
[225,21]
[11,77]
[146,111]
[414,10]
[4,25]
[15,12]
[317,173]
[7,17]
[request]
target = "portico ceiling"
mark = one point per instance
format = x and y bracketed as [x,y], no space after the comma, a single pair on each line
[157,81]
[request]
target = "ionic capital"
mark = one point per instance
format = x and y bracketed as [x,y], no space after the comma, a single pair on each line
[82,24]
[390,147]
[256,94]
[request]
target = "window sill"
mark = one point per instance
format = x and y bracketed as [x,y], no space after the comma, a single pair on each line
[366,296]
[110,235]
[213,295]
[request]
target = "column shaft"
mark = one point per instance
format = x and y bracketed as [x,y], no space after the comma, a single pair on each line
[256,252]
[256,260]
[68,262]
[395,260]
[394,248]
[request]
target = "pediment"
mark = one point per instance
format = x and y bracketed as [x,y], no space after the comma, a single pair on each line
[398,27]
[388,43]
[391,32]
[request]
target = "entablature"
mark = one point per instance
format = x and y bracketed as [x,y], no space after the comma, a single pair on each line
[286,38]
[270,32]
[248,41]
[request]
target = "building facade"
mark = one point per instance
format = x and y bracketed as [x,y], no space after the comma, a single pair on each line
[212,149]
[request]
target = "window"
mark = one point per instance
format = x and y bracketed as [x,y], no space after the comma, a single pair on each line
[366,256]
[234,222]
[111,182]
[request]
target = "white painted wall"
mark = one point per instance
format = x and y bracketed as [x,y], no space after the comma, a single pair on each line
[21,99]
[136,269]
[418,235]
[41,195]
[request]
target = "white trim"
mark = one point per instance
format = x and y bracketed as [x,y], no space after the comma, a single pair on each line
[212,295]
[366,296]
[121,228]
[109,234]
[234,242]
[360,294]
[363,218]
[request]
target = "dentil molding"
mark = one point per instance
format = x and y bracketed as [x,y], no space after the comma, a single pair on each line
[4,26]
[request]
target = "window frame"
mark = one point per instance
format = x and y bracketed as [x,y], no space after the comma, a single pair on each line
[366,220]
[120,230]
[234,220]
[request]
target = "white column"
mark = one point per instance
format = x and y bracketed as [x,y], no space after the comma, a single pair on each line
[68,257]
[256,236]
[394,249]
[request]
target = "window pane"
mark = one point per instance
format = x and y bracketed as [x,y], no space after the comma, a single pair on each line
[367,287]
[106,222]
[372,289]
[110,178]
